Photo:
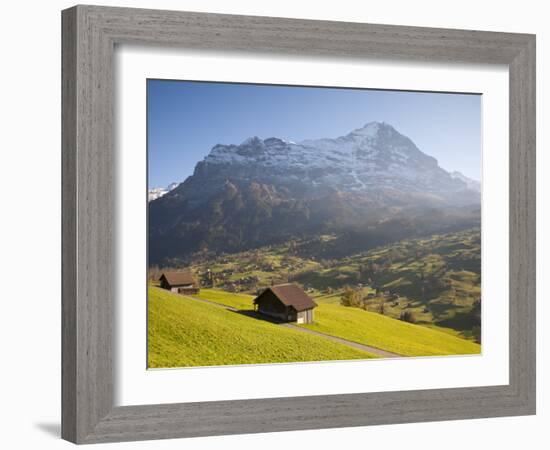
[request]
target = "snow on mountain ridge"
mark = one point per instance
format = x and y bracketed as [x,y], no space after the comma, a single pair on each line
[371,157]
[158,192]
[369,130]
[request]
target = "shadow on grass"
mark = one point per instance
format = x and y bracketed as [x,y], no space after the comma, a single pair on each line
[459,322]
[256,315]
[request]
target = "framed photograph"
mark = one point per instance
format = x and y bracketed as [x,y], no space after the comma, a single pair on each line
[267,222]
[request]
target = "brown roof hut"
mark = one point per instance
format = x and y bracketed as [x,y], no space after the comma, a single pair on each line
[179,282]
[286,302]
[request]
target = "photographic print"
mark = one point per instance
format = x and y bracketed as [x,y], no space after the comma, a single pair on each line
[295,224]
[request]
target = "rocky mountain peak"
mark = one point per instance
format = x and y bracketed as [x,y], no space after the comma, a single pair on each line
[267,190]
[371,158]
[371,129]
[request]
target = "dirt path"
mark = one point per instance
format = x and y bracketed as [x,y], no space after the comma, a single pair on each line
[221,305]
[367,348]
[376,351]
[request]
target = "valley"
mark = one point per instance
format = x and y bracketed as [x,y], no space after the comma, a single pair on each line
[434,280]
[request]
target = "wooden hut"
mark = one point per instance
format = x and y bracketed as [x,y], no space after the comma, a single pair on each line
[286,302]
[179,282]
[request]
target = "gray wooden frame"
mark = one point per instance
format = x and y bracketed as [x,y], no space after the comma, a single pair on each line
[89,36]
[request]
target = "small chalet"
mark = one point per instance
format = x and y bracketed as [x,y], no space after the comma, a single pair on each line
[179,282]
[286,302]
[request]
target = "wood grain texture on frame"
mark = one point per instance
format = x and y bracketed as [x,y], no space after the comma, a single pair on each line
[89,37]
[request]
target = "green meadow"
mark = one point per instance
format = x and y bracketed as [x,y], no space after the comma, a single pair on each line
[239,301]
[185,332]
[389,334]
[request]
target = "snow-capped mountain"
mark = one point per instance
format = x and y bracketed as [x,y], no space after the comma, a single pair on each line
[268,190]
[158,192]
[369,159]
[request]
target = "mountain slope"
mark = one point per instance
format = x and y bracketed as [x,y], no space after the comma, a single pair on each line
[265,191]
[470,184]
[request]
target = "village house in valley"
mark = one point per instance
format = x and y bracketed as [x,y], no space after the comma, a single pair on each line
[179,282]
[286,302]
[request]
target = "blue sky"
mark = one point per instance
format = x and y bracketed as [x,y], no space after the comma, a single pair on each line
[186,119]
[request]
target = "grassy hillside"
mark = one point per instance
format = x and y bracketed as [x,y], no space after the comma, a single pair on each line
[239,301]
[437,278]
[367,327]
[185,332]
[386,333]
